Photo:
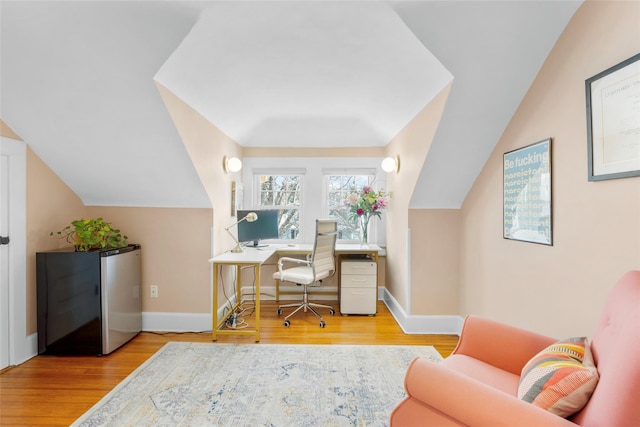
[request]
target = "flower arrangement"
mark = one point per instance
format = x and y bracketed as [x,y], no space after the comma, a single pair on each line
[363,206]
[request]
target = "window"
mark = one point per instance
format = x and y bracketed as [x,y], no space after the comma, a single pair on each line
[338,188]
[284,193]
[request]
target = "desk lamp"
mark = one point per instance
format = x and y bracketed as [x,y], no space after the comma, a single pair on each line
[250,217]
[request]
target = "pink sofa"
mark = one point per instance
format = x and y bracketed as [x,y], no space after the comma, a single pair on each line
[477,385]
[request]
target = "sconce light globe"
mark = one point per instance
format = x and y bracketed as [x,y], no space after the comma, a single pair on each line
[390,164]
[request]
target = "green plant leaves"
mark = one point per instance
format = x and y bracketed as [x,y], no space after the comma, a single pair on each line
[91,234]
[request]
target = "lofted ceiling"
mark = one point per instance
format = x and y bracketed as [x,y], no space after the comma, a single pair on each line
[77,83]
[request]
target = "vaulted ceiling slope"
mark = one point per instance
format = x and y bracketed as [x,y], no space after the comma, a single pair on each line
[77,83]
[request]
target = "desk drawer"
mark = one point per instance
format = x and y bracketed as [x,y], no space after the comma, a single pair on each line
[358,281]
[358,301]
[359,267]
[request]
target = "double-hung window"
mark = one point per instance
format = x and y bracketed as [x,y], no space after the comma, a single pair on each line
[281,191]
[338,186]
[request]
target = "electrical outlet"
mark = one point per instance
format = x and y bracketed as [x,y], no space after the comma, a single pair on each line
[154,291]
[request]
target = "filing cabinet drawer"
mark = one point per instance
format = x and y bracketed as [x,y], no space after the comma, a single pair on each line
[358,301]
[359,267]
[357,281]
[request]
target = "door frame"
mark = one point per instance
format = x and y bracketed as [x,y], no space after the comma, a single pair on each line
[17,268]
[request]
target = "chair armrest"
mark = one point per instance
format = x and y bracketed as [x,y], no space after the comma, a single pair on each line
[284,259]
[498,344]
[471,402]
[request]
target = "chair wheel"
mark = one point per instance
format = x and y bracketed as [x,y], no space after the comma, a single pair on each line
[322,324]
[286,323]
[332,311]
[279,311]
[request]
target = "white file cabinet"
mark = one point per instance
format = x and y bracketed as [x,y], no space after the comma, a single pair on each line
[358,287]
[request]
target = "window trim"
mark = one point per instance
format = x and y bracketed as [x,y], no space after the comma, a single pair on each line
[255,197]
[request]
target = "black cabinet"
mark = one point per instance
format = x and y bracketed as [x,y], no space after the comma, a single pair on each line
[89,303]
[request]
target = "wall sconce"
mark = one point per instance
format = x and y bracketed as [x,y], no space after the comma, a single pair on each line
[250,217]
[231,164]
[391,164]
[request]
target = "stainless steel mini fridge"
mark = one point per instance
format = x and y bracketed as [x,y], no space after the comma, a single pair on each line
[88,302]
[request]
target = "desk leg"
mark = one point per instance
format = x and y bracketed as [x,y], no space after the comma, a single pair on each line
[257,272]
[214,309]
[277,290]
[239,283]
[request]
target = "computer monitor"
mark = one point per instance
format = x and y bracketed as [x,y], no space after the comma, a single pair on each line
[265,227]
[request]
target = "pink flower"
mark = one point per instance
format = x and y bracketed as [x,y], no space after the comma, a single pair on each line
[366,189]
[360,211]
[382,202]
[353,198]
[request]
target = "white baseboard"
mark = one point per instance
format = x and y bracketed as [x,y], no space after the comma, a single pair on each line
[421,324]
[293,293]
[182,322]
[176,322]
[31,347]
[197,322]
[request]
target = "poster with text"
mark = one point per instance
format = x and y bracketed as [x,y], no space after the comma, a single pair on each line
[527,193]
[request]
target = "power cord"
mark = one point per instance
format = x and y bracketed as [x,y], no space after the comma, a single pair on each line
[236,322]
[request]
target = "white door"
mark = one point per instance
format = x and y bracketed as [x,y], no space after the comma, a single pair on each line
[5,321]
[13,339]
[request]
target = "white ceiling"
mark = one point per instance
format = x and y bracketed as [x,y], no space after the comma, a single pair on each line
[293,74]
[77,83]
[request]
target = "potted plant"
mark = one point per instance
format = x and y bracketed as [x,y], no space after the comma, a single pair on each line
[92,234]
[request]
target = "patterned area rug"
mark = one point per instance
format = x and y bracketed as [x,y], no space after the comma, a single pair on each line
[194,384]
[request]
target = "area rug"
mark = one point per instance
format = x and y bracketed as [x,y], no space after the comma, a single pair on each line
[196,384]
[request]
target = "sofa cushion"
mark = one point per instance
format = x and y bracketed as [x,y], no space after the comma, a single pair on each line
[560,378]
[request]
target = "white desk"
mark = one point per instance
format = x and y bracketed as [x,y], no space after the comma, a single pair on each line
[255,257]
[250,257]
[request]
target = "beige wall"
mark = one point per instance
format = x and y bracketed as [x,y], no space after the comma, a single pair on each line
[313,152]
[411,145]
[175,254]
[557,290]
[434,261]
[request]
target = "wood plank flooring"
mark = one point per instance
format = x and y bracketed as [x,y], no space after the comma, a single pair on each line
[55,390]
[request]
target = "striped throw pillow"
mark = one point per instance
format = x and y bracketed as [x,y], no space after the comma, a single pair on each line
[560,378]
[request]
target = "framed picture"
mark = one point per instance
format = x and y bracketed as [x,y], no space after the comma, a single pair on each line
[236,197]
[526,193]
[613,121]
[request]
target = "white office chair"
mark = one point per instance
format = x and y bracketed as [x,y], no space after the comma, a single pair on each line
[319,265]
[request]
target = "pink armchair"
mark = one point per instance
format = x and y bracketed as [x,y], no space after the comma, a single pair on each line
[477,385]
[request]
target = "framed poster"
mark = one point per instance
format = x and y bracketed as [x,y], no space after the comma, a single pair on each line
[526,193]
[613,121]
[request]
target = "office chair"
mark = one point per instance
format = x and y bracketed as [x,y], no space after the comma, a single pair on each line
[319,265]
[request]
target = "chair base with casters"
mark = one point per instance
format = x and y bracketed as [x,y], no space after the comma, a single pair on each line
[305,305]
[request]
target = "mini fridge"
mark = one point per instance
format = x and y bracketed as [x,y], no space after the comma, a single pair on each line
[89,303]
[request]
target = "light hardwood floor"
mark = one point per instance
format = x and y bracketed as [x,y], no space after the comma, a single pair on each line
[55,390]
